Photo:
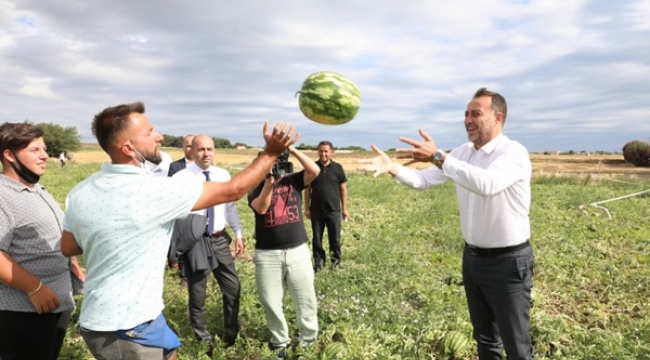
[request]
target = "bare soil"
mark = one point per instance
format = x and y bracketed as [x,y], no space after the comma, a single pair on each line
[548,165]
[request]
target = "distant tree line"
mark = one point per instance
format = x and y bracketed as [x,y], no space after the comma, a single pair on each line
[221,143]
[303,146]
[177,141]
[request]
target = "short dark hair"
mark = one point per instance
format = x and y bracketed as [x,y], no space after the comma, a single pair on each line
[325,142]
[498,102]
[17,136]
[112,121]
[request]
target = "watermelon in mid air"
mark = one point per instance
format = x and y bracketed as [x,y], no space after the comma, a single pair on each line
[329,98]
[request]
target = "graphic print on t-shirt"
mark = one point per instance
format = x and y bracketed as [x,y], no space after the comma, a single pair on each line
[284,207]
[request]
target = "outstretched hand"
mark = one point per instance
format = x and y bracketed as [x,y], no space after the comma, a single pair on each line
[280,138]
[422,151]
[380,164]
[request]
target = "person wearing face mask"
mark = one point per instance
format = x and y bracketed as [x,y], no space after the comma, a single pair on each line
[35,285]
[282,256]
[162,168]
[121,220]
[492,175]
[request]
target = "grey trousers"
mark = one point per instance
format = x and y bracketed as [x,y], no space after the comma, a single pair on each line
[226,276]
[498,292]
[109,346]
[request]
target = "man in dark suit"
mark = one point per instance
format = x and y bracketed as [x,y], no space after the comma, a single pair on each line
[181,164]
[175,167]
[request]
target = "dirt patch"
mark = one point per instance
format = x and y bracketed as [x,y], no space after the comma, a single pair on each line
[606,165]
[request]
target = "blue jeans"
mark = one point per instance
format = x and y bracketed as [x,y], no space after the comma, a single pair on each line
[274,269]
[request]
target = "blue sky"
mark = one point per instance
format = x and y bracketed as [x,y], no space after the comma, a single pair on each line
[576,74]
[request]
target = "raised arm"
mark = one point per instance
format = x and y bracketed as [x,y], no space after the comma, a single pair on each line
[277,142]
[311,169]
[263,201]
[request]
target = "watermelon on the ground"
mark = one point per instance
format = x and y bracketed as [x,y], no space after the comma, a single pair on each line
[335,350]
[329,98]
[455,343]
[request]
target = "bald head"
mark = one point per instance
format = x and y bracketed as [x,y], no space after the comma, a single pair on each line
[203,151]
[187,147]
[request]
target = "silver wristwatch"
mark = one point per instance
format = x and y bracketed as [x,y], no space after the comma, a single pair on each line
[438,156]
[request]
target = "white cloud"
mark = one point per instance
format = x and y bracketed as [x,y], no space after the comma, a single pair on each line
[36,87]
[565,67]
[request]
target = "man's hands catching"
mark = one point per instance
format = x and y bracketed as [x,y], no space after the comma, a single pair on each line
[278,140]
[422,151]
[380,164]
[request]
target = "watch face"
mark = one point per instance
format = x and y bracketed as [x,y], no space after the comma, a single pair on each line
[438,155]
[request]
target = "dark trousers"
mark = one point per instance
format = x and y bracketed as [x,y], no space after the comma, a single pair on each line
[29,336]
[331,221]
[226,276]
[498,296]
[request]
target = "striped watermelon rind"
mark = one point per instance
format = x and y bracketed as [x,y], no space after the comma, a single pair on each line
[329,98]
[335,350]
[455,343]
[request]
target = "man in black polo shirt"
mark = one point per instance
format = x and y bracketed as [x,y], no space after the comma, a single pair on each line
[326,203]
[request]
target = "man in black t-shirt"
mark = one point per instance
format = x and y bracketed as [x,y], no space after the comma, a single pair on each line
[281,253]
[326,203]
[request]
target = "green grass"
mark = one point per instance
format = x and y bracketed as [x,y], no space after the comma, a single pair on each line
[398,292]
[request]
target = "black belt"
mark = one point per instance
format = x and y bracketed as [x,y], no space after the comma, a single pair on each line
[496,251]
[219,233]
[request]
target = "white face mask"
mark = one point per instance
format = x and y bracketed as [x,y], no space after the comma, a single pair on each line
[146,165]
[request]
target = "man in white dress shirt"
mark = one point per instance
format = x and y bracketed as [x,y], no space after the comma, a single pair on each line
[492,175]
[226,274]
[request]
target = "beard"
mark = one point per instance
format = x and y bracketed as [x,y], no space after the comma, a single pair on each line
[154,157]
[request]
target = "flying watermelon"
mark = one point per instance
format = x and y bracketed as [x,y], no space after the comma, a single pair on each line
[329,98]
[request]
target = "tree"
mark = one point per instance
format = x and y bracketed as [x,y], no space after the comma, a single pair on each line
[172,141]
[304,146]
[60,139]
[221,143]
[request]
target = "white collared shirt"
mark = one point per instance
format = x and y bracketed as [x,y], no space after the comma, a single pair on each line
[223,213]
[163,168]
[492,186]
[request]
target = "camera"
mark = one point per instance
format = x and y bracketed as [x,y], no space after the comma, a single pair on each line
[282,165]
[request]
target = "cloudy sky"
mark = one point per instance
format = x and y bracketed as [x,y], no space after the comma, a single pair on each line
[576,73]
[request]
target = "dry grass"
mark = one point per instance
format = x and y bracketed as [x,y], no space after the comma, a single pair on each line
[605,165]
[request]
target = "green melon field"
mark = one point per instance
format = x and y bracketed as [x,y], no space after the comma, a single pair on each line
[398,292]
